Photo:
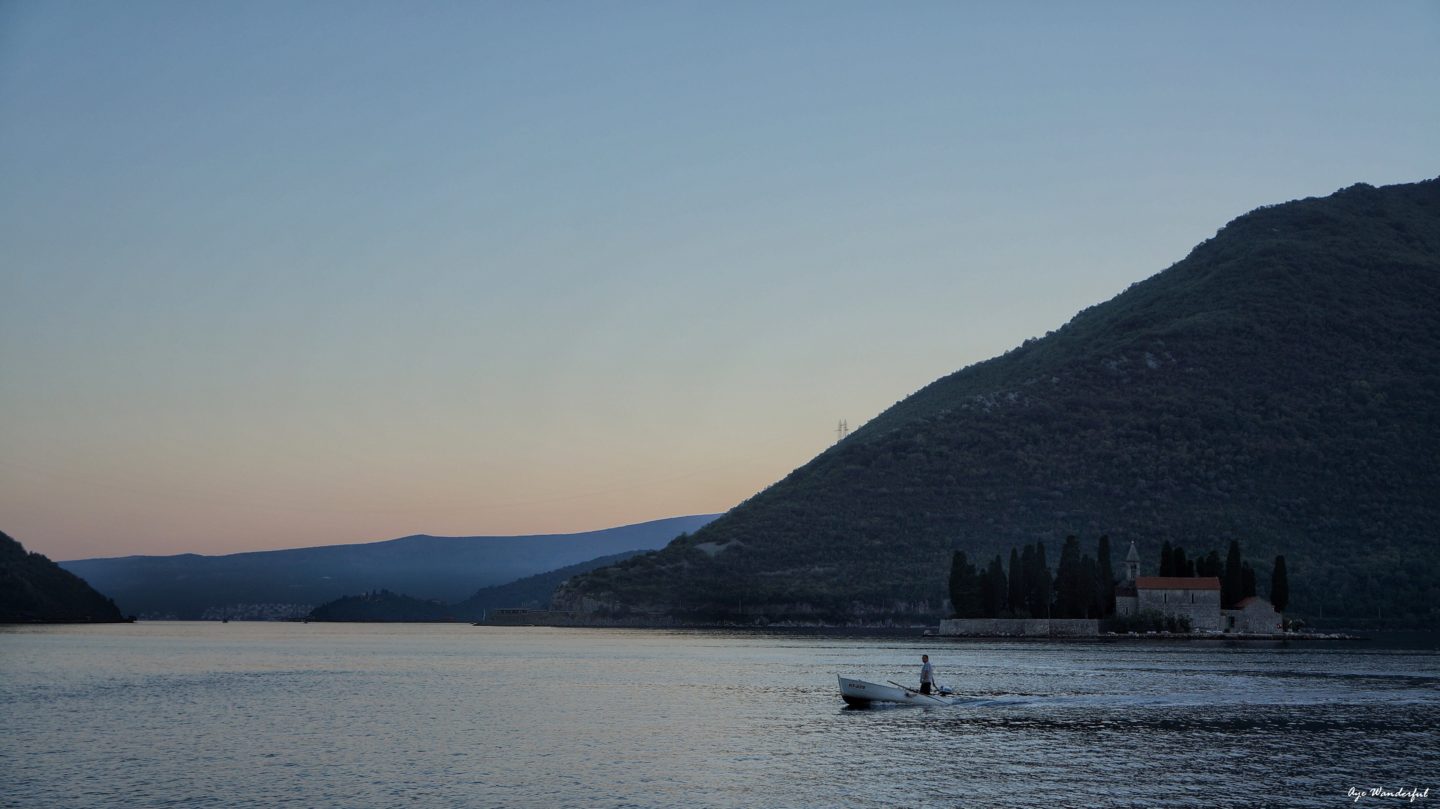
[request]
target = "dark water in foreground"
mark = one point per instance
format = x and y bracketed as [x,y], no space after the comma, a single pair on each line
[315,715]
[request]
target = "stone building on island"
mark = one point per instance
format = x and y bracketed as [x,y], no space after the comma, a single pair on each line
[1252,616]
[1196,598]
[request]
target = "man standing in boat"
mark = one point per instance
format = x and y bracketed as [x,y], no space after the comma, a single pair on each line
[927,674]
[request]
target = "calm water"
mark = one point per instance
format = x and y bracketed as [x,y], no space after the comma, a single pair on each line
[315,715]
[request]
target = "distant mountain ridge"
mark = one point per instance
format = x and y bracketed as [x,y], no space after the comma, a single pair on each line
[34,589]
[531,592]
[447,568]
[1279,386]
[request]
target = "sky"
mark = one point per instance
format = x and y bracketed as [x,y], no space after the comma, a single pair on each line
[279,274]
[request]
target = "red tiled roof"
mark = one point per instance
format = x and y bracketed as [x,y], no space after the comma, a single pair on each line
[1244,602]
[1177,583]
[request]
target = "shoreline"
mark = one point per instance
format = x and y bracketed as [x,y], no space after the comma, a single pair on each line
[930,632]
[1168,636]
[861,630]
[66,622]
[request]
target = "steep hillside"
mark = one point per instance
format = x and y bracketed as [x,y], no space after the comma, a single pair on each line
[447,568]
[1279,386]
[35,589]
[531,592]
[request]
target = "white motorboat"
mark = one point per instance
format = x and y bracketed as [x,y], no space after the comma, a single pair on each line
[859,694]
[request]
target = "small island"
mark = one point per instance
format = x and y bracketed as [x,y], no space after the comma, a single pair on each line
[1191,597]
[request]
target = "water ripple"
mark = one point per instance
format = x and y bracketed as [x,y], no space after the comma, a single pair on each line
[289,715]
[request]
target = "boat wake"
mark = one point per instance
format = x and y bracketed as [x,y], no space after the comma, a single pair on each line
[862,694]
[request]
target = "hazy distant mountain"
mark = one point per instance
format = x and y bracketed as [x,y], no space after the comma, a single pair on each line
[445,568]
[1279,386]
[531,592]
[35,589]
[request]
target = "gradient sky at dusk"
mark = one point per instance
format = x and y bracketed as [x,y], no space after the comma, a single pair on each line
[276,274]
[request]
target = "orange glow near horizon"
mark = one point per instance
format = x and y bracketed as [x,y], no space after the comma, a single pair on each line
[284,275]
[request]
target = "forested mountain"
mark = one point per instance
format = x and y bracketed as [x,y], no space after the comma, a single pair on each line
[383,606]
[428,567]
[1279,386]
[35,589]
[531,592]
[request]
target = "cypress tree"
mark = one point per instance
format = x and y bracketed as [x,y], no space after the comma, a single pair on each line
[1167,567]
[1028,576]
[1068,588]
[957,562]
[1178,563]
[1105,570]
[1041,587]
[1247,579]
[1234,581]
[1089,588]
[999,587]
[1279,585]
[962,586]
[1046,587]
[987,594]
[1212,565]
[1015,595]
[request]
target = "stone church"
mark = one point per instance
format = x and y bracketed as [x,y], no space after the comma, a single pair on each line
[1194,597]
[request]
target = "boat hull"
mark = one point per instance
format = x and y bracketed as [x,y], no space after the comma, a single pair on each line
[861,694]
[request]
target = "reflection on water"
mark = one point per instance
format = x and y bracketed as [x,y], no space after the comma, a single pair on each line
[316,715]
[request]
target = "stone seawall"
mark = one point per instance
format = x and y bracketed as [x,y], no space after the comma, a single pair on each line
[1020,627]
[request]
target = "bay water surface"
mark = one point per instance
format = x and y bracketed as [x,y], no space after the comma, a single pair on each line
[450,715]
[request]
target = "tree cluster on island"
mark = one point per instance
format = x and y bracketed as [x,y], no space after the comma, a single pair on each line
[1083,586]
[1237,577]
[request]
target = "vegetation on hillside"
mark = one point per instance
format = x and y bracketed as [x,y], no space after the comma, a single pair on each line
[381,606]
[35,589]
[1279,386]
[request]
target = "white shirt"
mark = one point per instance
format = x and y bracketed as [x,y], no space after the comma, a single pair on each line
[927,673]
